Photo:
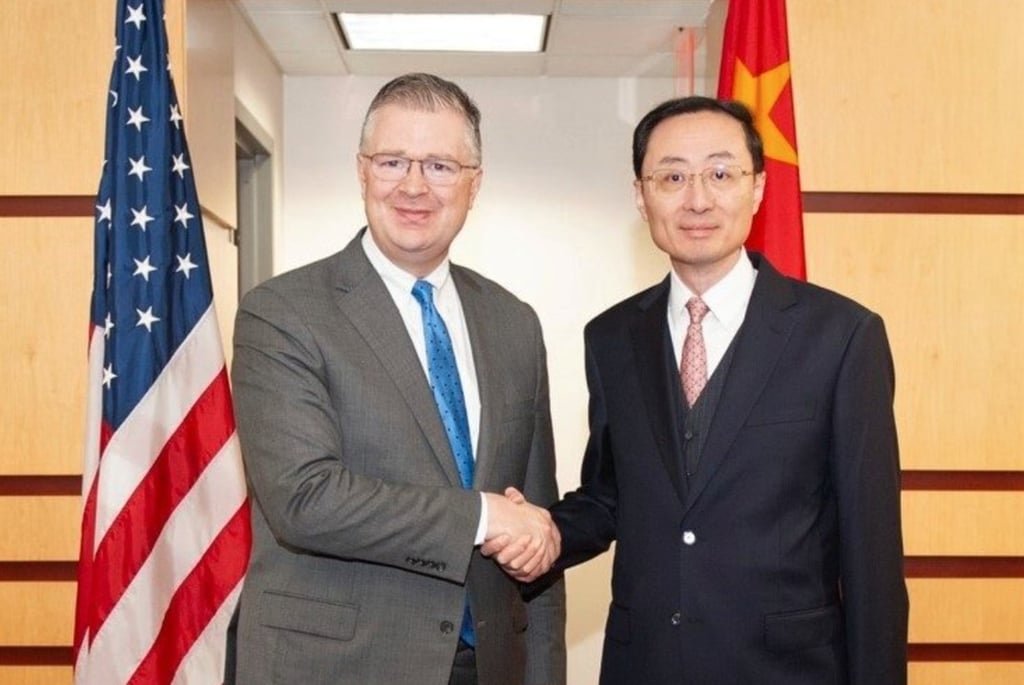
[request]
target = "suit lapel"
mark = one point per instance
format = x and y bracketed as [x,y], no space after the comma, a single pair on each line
[760,341]
[365,300]
[651,344]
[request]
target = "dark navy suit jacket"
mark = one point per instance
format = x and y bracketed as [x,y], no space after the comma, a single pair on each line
[779,562]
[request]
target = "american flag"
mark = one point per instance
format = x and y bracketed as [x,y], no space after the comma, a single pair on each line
[165,524]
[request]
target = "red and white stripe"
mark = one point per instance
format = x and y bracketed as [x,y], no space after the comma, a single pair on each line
[165,528]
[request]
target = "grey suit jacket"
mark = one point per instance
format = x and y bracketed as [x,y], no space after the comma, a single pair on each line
[362,536]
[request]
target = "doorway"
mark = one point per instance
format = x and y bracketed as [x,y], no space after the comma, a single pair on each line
[255,184]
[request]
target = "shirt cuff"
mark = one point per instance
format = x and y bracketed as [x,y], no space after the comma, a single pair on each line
[481,527]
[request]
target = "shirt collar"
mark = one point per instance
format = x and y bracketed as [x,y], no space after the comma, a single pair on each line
[726,300]
[394,275]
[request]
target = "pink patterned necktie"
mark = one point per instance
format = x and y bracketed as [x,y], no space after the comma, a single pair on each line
[693,368]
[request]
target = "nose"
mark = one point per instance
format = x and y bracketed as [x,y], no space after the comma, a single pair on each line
[414,183]
[696,196]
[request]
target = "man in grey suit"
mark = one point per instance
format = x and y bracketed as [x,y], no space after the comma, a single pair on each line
[355,399]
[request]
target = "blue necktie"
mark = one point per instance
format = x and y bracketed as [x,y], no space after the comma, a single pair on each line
[451,403]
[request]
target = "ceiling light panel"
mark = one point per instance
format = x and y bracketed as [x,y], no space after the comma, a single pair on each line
[444,32]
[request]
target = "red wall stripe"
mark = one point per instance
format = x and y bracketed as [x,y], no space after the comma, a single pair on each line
[912,203]
[47,205]
[914,567]
[40,486]
[912,480]
[963,480]
[35,656]
[963,567]
[813,202]
[965,651]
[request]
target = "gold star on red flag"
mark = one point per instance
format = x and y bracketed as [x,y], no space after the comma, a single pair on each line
[760,94]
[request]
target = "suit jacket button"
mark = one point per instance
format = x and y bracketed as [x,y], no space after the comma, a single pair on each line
[676,618]
[447,627]
[689,537]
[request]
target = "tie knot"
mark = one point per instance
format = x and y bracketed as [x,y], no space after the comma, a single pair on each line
[697,309]
[424,293]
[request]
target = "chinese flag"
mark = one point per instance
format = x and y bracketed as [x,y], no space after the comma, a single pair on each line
[755,71]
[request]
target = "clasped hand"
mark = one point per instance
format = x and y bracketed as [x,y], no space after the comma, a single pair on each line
[521,537]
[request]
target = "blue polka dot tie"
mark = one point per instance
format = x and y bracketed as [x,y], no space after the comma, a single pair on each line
[451,403]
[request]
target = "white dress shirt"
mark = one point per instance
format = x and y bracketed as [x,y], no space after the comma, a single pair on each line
[727,306]
[446,299]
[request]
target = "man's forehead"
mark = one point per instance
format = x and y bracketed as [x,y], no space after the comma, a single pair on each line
[697,137]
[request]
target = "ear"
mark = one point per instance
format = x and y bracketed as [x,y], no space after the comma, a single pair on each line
[638,198]
[759,181]
[474,185]
[362,169]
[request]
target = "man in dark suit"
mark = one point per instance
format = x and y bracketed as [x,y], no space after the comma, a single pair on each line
[383,395]
[742,450]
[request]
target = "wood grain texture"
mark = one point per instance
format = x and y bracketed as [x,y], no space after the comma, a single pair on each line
[52,107]
[966,610]
[45,287]
[37,614]
[954,673]
[963,523]
[908,96]
[43,529]
[949,289]
[35,675]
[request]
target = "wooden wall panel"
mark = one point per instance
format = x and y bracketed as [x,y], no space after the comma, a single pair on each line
[40,528]
[908,96]
[37,614]
[35,675]
[966,610]
[963,523]
[966,674]
[45,285]
[949,288]
[54,94]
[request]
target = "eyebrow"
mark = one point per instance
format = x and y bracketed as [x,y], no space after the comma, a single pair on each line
[406,155]
[714,156]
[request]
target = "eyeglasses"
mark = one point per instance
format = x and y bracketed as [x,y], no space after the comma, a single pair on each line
[720,178]
[436,171]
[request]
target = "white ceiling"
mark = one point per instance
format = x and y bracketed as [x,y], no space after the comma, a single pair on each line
[585,37]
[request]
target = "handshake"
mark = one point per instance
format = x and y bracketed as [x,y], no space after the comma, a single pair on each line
[521,537]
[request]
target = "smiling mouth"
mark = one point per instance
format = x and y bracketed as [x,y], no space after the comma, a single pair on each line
[412,212]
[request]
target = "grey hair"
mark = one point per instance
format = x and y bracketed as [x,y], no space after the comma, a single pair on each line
[428,93]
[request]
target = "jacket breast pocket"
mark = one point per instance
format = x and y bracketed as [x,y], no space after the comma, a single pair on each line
[308,615]
[795,630]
